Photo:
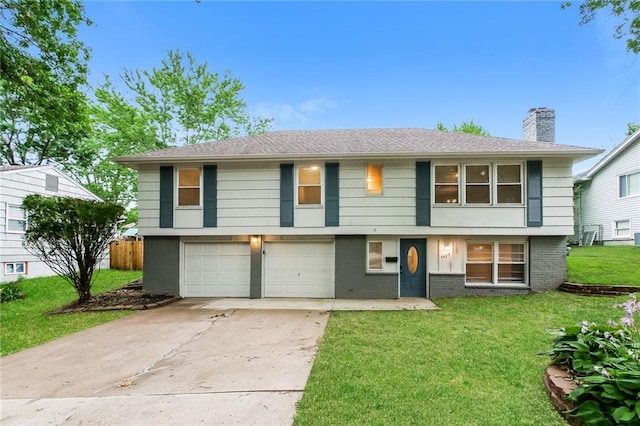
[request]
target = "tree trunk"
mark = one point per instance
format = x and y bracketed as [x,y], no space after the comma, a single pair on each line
[84,293]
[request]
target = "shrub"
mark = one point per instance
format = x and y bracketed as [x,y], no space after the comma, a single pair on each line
[604,361]
[10,291]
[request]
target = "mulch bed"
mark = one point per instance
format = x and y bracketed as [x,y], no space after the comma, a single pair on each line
[128,297]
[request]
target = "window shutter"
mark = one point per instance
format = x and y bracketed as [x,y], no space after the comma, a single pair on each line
[332,195]
[166,197]
[423,193]
[210,196]
[286,195]
[534,193]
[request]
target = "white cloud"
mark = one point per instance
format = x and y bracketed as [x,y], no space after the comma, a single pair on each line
[287,115]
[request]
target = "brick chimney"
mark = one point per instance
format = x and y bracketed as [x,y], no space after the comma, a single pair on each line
[540,125]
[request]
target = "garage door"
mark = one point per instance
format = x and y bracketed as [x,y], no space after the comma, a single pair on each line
[299,269]
[216,269]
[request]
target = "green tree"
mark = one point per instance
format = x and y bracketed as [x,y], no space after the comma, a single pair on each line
[189,103]
[464,127]
[632,128]
[43,65]
[119,128]
[179,103]
[626,11]
[71,236]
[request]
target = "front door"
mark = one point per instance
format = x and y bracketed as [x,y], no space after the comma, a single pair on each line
[413,267]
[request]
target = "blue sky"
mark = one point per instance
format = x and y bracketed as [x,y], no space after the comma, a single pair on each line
[328,65]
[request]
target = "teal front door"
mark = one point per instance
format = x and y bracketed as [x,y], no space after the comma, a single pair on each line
[413,268]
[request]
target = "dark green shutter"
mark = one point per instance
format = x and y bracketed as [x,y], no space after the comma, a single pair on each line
[534,193]
[423,193]
[166,197]
[332,195]
[286,195]
[210,196]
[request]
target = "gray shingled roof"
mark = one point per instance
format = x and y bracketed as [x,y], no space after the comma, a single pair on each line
[396,143]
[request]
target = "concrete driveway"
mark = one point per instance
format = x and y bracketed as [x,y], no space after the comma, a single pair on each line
[180,364]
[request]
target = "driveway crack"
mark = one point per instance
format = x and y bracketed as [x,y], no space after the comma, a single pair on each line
[153,367]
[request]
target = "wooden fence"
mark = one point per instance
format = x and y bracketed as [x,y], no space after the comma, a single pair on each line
[126,255]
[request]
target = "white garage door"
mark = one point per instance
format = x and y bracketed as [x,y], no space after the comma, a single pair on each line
[302,269]
[216,269]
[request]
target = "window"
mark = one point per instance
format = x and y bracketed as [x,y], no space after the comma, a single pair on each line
[491,184]
[51,183]
[16,219]
[374,179]
[622,229]
[446,184]
[309,185]
[509,184]
[510,263]
[375,256]
[188,187]
[477,185]
[629,185]
[15,268]
[479,262]
[495,263]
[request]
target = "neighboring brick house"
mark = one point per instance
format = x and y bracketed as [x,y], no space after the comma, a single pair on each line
[16,182]
[371,213]
[608,195]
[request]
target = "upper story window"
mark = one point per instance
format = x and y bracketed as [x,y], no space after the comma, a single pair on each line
[51,183]
[629,185]
[446,184]
[374,179]
[490,184]
[477,185]
[309,185]
[188,187]
[509,184]
[16,219]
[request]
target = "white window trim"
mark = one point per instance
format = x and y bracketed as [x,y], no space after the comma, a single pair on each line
[626,175]
[9,218]
[614,229]
[177,187]
[297,186]
[433,185]
[366,180]
[493,185]
[381,256]
[496,262]
[24,268]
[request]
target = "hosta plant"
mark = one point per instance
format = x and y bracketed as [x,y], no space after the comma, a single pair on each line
[604,360]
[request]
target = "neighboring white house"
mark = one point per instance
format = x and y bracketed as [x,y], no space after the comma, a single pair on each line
[16,182]
[608,201]
[361,213]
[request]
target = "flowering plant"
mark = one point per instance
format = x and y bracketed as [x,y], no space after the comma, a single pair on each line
[604,360]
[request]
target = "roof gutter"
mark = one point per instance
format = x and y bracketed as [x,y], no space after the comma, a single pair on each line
[134,161]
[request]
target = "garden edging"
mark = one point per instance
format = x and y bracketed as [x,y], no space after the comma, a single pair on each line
[598,290]
[559,384]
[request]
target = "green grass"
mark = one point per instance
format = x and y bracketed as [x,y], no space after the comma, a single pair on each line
[604,265]
[474,362]
[23,323]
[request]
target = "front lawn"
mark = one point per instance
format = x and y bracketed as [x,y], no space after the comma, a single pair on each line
[604,265]
[23,323]
[474,362]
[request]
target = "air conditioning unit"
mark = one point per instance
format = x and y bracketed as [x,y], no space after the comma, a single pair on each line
[636,237]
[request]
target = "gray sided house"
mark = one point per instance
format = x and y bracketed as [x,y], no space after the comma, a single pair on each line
[372,213]
[16,182]
[608,195]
